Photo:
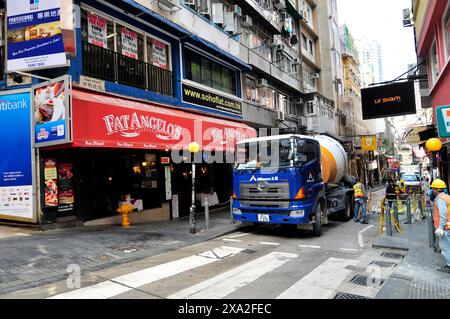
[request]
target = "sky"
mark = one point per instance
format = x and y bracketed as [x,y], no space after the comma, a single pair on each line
[381,20]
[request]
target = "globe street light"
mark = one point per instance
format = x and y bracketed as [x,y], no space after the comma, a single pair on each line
[193,148]
[433,145]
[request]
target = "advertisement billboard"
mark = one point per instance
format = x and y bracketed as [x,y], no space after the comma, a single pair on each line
[388,100]
[51,105]
[443,119]
[369,143]
[16,162]
[35,40]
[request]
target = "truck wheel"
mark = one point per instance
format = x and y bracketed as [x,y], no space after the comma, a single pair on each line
[317,226]
[346,214]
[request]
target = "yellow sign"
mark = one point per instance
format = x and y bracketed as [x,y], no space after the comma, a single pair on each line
[369,143]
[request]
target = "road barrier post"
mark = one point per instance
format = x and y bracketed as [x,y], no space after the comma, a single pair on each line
[207,213]
[388,218]
[408,211]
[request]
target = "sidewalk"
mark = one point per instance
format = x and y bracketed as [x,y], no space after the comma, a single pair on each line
[417,276]
[43,257]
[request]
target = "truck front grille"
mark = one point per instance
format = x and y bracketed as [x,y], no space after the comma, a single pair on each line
[272,191]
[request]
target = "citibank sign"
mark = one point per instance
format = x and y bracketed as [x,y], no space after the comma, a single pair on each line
[134,125]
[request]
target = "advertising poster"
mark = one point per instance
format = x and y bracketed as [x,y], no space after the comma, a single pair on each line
[51,183]
[129,43]
[66,197]
[369,143]
[97,31]
[159,56]
[443,120]
[16,165]
[51,109]
[35,39]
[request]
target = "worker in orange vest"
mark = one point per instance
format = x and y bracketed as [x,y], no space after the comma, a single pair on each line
[441,219]
[360,201]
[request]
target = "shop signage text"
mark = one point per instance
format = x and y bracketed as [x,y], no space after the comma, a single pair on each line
[211,100]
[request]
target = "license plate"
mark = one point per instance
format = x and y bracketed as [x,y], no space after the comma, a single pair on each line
[263,218]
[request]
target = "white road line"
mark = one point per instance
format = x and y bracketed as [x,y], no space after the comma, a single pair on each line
[232,240]
[269,244]
[240,235]
[322,282]
[309,246]
[360,235]
[224,284]
[119,285]
[350,249]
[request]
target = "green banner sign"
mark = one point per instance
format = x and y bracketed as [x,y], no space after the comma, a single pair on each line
[443,119]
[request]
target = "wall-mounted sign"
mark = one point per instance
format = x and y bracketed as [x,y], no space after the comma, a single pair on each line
[388,100]
[411,135]
[34,35]
[16,161]
[129,43]
[165,160]
[93,84]
[97,30]
[52,102]
[211,100]
[66,198]
[51,183]
[443,119]
[369,143]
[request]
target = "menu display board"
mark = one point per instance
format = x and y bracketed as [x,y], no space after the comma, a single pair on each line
[66,197]
[51,183]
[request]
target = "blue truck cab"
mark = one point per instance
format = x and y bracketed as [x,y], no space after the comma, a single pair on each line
[278,180]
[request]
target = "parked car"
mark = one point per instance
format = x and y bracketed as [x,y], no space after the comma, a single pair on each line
[412,182]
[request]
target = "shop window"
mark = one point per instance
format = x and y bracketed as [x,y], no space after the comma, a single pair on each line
[210,73]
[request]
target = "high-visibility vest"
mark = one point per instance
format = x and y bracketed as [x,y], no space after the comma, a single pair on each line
[358,190]
[437,216]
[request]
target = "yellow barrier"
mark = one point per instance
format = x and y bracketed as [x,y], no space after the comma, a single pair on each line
[383,221]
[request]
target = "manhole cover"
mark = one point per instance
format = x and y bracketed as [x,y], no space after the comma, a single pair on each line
[344,295]
[383,264]
[129,249]
[393,255]
[367,281]
[249,251]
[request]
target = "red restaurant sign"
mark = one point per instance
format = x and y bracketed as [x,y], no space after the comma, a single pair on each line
[113,122]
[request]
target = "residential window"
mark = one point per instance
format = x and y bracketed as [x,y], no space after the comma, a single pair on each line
[97,30]
[202,70]
[158,53]
[446,28]
[310,108]
[433,60]
[282,103]
[268,97]
[130,43]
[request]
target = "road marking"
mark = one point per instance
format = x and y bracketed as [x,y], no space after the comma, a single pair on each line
[269,244]
[122,284]
[232,240]
[240,235]
[221,252]
[309,246]
[350,249]
[322,282]
[360,235]
[224,284]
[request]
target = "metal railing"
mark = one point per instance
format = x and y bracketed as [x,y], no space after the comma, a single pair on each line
[111,66]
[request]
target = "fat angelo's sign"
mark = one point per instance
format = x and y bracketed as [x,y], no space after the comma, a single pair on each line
[211,100]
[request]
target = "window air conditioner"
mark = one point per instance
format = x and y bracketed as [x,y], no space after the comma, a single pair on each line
[229,22]
[280,4]
[302,121]
[262,83]
[315,75]
[202,7]
[237,10]
[169,4]
[280,116]
[246,21]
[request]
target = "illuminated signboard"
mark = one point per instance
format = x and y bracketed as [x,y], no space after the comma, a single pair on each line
[388,100]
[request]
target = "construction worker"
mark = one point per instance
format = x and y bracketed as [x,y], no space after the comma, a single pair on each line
[441,219]
[402,193]
[391,195]
[360,201]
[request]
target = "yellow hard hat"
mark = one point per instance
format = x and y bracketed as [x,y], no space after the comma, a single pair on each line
[439,184]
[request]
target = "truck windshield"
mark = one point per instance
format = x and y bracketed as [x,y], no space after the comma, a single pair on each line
[265,154]
[411,178]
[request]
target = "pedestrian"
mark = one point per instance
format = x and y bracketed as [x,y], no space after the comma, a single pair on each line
[391,195]
[441,219]
[360,201]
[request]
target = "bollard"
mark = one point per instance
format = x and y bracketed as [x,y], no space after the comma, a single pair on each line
[388,219]
[206,213]
[396,213]
[408,211]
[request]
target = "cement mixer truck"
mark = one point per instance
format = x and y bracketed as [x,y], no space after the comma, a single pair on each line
[291,180]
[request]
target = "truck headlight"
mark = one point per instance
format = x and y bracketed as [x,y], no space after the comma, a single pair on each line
[297,213]
[237,211]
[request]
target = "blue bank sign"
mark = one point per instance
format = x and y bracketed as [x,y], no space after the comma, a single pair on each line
[34,35]
[16,161]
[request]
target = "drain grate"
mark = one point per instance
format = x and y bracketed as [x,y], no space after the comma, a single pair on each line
[249,251]
[384,264]
[393,255]
[367,281]
[344,295]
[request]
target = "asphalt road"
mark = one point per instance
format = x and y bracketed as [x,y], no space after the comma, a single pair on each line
[266,262]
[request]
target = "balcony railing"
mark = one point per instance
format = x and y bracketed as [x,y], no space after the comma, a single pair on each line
[111,66]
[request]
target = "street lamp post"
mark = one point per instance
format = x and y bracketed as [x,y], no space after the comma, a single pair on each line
[194,147]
